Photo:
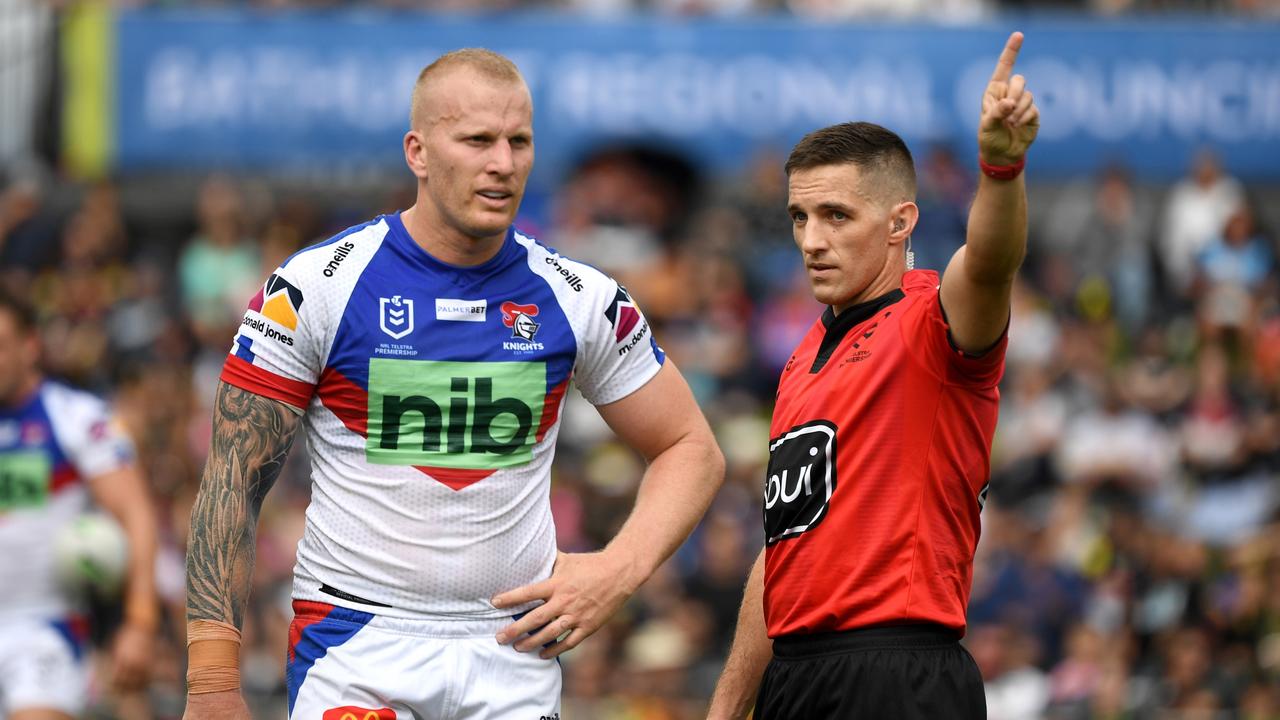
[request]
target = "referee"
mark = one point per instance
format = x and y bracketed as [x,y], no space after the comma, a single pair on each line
[881,435]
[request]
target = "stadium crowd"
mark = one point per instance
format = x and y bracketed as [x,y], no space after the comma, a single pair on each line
[1130,559]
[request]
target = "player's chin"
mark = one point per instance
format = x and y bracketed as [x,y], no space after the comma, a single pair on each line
[824,293]
[489,222]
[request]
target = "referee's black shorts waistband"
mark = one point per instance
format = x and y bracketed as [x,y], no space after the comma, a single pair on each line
[881,637]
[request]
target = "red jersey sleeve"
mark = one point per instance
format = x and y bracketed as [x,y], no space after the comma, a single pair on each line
[273,353]
[927,333]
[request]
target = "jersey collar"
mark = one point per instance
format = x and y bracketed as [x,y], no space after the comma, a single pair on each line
[839,325]
[509,251]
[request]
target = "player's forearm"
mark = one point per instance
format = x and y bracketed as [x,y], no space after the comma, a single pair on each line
[251,438]
[997,233]
[736,691]
[677,488]
[141,607]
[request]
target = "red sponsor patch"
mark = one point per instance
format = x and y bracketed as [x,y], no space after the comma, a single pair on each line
[255,302]
[351,712]
[622,314]
[628,316]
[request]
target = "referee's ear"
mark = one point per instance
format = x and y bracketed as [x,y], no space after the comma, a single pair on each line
[902,221]
[415,153]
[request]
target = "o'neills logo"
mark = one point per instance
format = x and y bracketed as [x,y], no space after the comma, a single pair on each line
[572,279]
[338,256]
[269,332]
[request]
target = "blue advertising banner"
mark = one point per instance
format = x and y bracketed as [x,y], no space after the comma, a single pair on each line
[259,90]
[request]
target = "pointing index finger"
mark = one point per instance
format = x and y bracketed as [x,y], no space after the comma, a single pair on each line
[1004,66]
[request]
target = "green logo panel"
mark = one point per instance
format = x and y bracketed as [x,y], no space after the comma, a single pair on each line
[472,415]
[24,479]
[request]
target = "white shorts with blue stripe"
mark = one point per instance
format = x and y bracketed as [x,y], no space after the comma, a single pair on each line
[346,664]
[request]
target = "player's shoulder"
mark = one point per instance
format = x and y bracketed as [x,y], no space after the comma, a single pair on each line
[920,283]
[71,409]
[57,395]
[569,277]
[336,256]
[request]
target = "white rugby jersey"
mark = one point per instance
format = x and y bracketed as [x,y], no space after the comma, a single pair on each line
[49,446]
[432,397]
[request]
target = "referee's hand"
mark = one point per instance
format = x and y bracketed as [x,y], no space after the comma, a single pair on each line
[1010,119]
[583,592]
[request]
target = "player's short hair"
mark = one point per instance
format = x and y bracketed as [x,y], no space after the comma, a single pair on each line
[874,149]
[487,63]
[19,309]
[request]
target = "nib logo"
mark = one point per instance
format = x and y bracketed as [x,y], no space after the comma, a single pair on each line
[395,316]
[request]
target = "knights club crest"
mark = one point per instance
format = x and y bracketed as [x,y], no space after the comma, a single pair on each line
[520,319]
[395,316]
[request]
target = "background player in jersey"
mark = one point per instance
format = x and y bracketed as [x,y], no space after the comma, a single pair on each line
[882,434]
[427,353]
[59,449]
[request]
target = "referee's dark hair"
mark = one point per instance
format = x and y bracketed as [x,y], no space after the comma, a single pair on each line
[17,308]
[873,148]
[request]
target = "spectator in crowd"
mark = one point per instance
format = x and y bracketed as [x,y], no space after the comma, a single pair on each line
[1194,213]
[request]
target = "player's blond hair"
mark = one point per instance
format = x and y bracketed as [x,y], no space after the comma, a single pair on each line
[487,63]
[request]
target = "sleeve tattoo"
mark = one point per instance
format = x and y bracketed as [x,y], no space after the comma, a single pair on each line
[251,438]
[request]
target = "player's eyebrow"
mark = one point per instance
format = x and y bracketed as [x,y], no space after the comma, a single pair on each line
[838,207]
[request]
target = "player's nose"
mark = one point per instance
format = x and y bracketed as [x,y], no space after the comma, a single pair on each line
[810,241]
[501,159]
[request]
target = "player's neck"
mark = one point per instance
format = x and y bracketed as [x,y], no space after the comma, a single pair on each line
[445,243]
[22,392]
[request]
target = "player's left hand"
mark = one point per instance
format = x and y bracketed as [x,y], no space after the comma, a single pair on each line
[1010,118]
[583,592]
[131,657]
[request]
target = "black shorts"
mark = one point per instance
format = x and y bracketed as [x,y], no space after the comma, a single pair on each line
[905,672]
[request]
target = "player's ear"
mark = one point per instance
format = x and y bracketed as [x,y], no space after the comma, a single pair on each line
[415,153]
[902,221]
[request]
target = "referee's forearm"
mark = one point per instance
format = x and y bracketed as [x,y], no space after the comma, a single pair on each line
[736,691]
[996,235]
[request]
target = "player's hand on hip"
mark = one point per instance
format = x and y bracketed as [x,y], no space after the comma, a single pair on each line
[583,592]
[131,657]
[226,705]
[1010,118]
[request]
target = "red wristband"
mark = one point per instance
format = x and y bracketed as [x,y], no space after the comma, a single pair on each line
[1002,172]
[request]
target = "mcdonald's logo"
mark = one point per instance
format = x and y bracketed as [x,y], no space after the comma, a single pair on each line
[351,712]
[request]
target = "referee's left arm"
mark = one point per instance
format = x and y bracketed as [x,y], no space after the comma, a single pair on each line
[739,684]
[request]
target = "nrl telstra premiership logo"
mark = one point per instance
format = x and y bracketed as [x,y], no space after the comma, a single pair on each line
[395,316]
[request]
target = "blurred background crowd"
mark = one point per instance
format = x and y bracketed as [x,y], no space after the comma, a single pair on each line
[1129,565]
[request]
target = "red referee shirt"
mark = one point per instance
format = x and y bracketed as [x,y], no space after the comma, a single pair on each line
[878,468]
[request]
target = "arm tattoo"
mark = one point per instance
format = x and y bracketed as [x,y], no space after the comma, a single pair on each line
[251,437]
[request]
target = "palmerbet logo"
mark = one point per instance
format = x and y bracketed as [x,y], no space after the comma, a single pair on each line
[479,415]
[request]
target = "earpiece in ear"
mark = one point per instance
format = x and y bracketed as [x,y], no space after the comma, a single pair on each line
[898,225]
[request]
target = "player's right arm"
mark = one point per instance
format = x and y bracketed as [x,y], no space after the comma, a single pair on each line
[736,691]
[251,438]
